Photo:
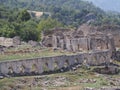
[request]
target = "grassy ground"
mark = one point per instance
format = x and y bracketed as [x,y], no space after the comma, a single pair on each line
[33,53]
[71,80]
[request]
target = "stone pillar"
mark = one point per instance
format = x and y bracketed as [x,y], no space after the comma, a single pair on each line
[71,60]
[68,44]
[50,64]
[62,44]
[4,68]
[73,45]
[54,41]
[58,41]
[93,44]
[112,44]
[61,61]
[40,66]
[16,67]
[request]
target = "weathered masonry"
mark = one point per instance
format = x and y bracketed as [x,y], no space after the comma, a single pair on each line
[8,42]
[78,40]
[40,65]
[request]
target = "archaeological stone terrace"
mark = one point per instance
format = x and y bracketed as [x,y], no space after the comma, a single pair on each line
[47,64]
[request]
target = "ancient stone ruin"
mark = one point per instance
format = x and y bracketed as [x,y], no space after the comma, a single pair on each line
[91,47]
[8,42]
[51,64]
[83,39]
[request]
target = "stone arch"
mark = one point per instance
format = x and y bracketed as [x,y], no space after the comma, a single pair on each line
[45,67]
[76,61]
[101,44]
[22,69]
[66,63]
[56,65]
[85,61]
[34,68]
[102,59]
[94,60]
[98,44]
[10,70]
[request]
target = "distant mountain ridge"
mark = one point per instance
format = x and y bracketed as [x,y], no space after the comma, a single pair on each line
[107,5]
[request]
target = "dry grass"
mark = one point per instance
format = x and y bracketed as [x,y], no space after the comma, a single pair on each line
[23,53]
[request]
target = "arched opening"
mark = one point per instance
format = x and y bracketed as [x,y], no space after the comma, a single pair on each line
[85,61]
[10,70]
[76,61]
[45,67]
[66,63]
[104,44]
[56,67]
[102,60]
[49,45]
[98,44]
[22,69]
[94,60]
[101,44]
[34,68]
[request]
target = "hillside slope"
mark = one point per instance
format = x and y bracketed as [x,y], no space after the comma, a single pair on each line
[69,12]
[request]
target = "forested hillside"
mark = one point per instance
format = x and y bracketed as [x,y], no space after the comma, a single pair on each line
[69,12]
[15,20]
[49,5]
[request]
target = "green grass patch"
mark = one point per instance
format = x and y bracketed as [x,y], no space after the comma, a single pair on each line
[42,53]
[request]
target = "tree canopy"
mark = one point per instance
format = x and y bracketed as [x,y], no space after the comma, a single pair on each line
[16,21]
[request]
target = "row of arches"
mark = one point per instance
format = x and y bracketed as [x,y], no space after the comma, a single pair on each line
[54,65]
[22,69]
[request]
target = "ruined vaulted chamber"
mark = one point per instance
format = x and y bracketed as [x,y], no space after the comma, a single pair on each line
[85,38]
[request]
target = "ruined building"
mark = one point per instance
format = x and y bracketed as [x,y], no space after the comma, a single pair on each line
[114,30]
[8,42]
[85,38]
[98,44]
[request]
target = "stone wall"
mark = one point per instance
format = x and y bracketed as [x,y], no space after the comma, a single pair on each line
[78,40]
[40,65]
[7,42]
[98,42]
[114,30]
